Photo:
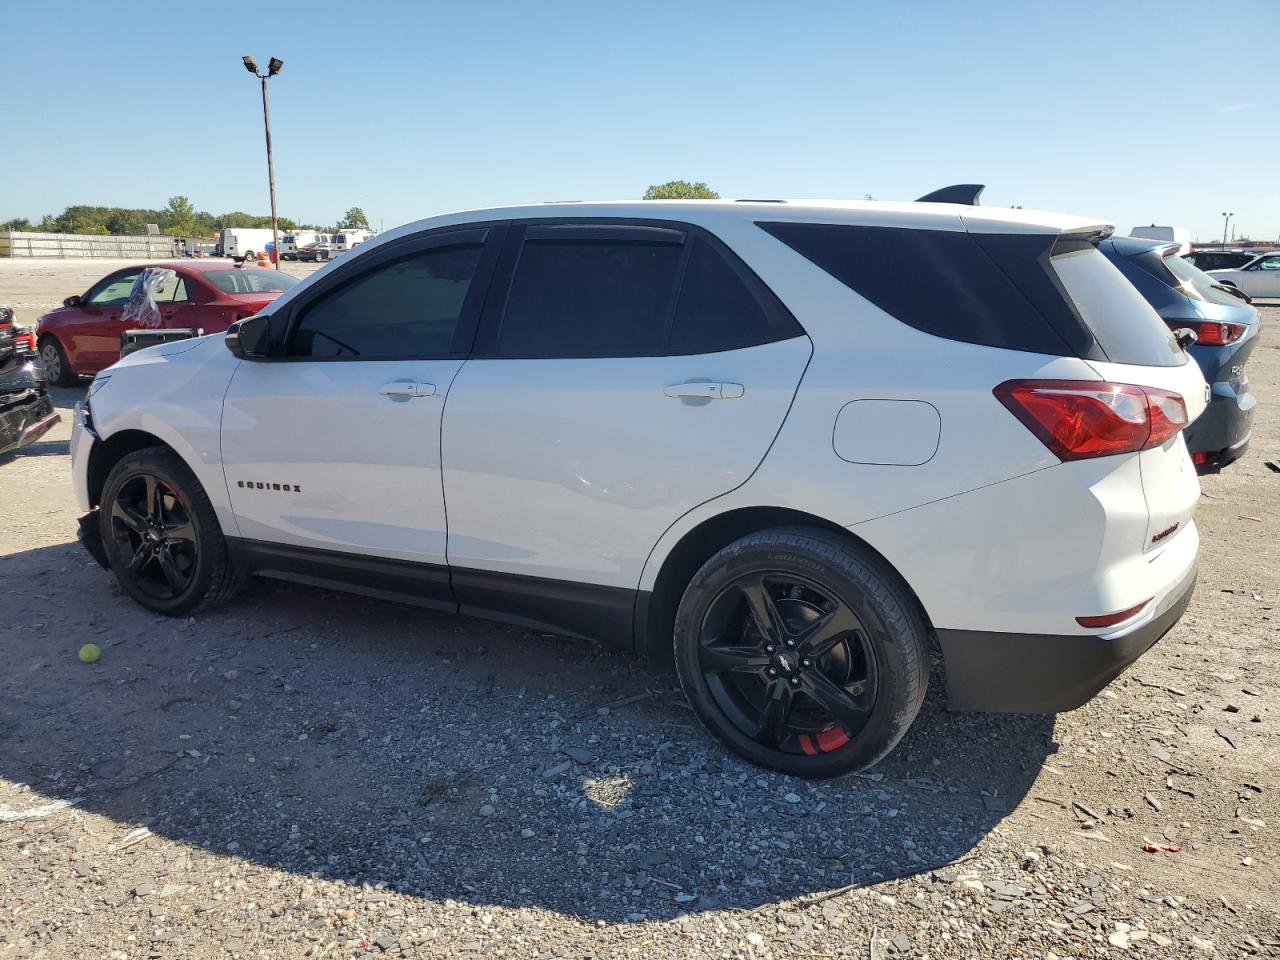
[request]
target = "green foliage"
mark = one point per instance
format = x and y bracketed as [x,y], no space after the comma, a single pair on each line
[681,190]
[178,218]
[354,219]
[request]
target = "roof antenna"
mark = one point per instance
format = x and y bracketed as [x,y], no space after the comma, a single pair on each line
[965,194]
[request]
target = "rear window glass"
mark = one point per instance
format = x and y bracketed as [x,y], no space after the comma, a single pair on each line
[716,311]
[1125,325]
[1196,283]
[589,298]
[250,281]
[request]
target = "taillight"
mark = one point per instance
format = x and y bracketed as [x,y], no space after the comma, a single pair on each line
[25,340]
[1078,419]
[1210,333]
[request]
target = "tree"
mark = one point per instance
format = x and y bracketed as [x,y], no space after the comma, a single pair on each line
[178,217]
[681,190]
[354,219]
[17,224]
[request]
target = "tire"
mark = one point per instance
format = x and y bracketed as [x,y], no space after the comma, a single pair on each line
[161,536]
[57,369]
[248,257]
[830,685]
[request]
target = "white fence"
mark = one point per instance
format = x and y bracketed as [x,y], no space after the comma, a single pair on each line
[19,244]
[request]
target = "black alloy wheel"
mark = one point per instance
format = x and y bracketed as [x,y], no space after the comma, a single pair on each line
[802,651]
[789,663]
[161,534]
[153,536]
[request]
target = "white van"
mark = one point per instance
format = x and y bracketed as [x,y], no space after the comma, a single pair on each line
[290,243]
[244,243]
[349,239]
[1178,235]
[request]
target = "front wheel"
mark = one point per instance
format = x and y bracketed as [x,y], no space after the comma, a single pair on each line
[800,650]
[161,535]
[57,370]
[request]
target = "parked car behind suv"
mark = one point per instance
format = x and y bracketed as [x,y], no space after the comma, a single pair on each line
[1218,259]
[83,336]
[1260,277]
[1226,330]
[735,435]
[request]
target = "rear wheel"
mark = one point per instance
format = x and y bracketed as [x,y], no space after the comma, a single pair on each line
[57,369]
[802,651]
[162,538]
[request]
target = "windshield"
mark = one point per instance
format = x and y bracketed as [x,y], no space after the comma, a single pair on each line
[250,281]
[1196,283]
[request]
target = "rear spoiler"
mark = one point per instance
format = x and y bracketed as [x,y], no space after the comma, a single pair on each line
[964,194]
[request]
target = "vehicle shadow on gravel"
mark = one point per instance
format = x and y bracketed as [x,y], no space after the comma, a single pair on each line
[452,758]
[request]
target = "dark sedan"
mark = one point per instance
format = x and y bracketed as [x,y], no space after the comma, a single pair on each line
[1226,329]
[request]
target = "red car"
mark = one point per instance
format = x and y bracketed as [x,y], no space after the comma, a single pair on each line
[84,336]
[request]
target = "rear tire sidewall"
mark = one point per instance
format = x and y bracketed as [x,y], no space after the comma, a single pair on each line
[170,470]
[896,633]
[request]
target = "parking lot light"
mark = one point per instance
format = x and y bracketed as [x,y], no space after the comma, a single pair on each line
[273,67]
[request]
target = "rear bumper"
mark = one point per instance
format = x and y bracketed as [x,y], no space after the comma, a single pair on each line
[1040,673]
[1221,434]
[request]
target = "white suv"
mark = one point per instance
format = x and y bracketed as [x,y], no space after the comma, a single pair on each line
[795,443]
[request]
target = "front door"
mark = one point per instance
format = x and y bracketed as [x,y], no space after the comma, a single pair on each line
[332,450]
[623,375]
[94,339]
[1264,279]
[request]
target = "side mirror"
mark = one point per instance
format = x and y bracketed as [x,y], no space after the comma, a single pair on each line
[74,300]
[250,338]
[1186,337]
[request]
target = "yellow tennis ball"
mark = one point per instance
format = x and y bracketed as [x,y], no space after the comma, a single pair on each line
[90,653]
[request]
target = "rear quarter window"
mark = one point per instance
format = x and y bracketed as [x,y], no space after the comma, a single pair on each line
[1029,292]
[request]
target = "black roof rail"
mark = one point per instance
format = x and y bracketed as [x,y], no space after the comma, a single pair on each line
[965,194]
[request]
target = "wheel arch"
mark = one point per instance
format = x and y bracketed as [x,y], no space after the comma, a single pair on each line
[105,454]
[656,607]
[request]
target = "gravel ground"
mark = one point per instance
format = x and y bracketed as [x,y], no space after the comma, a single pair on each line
[305,774]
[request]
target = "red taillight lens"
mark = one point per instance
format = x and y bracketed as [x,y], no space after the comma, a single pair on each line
[1078,419]
[1210,334]
[1111,619]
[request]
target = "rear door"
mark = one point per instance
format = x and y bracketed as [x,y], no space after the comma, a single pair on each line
[332,450]
[623,374]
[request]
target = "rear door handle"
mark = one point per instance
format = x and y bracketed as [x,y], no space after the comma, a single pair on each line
[405,388]
[697,390]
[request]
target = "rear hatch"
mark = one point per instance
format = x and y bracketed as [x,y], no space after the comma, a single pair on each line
[1135,346]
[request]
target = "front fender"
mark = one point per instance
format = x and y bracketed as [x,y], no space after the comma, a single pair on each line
[175,396]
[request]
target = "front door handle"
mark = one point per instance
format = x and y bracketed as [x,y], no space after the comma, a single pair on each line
[406,388]
[698,390]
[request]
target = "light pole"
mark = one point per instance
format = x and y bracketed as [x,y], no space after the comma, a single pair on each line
[273,67]
[1226,218]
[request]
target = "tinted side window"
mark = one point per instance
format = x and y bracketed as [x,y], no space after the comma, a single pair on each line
[408,307]
[586,297]
[716,311]
[938,281]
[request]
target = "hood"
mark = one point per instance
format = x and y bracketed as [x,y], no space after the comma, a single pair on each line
[165,351]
